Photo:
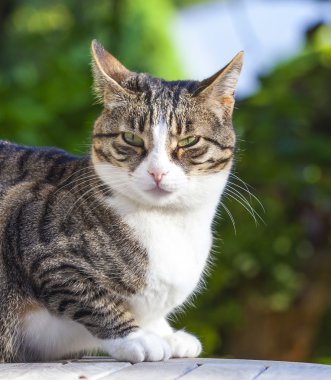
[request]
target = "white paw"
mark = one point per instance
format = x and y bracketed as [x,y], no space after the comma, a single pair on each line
[184,345]
[138,347]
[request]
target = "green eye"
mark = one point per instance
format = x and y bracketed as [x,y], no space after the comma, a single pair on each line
[132,139]
[188,141]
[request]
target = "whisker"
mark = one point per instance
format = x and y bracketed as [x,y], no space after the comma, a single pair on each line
[78,171]
[238,194]
[246,206]
[83,195]
[230,216]
[94,201]
[251,195]
[241,196]
[80,179]
[246,185]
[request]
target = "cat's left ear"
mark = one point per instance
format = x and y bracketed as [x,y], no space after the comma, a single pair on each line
[221,86]
[108,75]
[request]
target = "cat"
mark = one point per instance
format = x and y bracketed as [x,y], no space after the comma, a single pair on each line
[96,252]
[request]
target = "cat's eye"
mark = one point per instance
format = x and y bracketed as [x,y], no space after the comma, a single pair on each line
[132,139]
[188,141]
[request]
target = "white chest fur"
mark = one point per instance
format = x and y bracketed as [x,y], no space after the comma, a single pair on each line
[178,245]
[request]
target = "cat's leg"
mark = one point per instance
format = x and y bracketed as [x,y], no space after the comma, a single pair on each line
[9,323]
[47,336]
[182,344]
[106,317]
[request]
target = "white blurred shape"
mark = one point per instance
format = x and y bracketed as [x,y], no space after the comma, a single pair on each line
[208,36]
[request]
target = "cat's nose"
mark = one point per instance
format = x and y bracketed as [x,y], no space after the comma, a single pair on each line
[157,175]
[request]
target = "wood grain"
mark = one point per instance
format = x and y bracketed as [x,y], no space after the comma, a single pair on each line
[153,371]
[225,372]
[296,372]
[105,368]
[59,371]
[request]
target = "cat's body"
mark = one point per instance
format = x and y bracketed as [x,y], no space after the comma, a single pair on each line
[96,252]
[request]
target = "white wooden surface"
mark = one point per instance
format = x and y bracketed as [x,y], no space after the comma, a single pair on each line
[104,368]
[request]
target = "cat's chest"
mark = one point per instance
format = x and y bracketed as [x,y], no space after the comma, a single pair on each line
[177,248]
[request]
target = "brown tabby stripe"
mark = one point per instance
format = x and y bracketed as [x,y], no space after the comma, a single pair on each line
[220,145]
[219,163]
[170,119]
[189,127]
[151,117]
[214,163]
[23,161]
[57,170]
[179,126]
[119,153]
[142,123]
[65,303]
[105,135]
[106,157]
[199,151]
[123,149]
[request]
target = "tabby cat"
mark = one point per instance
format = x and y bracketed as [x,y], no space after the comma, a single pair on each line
[96,252]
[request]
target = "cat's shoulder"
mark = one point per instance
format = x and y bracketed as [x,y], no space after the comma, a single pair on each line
[12,149]
[19,163]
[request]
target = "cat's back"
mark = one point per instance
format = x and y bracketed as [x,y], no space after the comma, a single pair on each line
[28,164]
[29,176]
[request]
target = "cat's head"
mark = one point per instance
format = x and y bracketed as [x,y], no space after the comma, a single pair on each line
[163,143]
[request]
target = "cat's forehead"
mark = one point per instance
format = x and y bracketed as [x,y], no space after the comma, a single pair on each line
[155,90]
[158,100]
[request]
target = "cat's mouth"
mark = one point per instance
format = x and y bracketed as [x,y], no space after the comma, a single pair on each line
[159,191]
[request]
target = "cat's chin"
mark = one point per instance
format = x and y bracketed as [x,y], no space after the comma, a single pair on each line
[155,197]
[158,192]
[158,197]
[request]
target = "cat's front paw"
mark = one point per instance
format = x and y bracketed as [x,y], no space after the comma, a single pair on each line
[184,345]
[138,347]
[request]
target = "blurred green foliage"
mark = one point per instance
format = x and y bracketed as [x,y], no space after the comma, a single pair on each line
[45,79]
[283,138]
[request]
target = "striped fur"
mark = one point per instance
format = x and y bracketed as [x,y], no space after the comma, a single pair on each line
[70,251]
[60,247]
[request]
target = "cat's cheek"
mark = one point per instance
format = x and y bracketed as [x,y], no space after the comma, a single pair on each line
[176,181]
[137,347]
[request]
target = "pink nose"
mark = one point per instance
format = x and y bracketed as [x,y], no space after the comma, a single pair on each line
[157,175]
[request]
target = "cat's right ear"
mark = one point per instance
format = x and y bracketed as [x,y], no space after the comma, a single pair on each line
[220,87]
[108,74]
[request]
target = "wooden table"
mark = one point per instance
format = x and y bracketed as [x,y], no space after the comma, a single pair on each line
[104,368]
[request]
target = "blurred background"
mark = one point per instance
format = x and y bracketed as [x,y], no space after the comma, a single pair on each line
[269,293]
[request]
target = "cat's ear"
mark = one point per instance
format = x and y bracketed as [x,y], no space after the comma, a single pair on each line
[221,86]
[108,73]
